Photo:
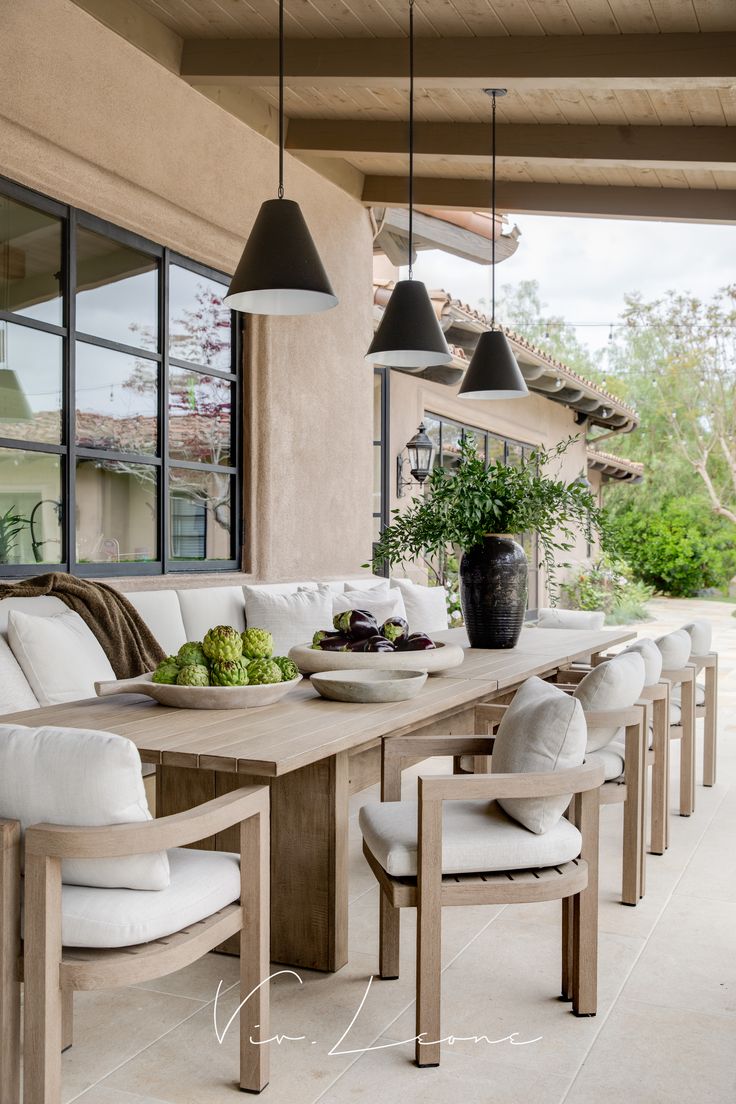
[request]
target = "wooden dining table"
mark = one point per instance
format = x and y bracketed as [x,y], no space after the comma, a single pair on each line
[313,754]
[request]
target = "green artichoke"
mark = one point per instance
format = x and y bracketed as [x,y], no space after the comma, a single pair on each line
[221,643]
[263,671]
[196,674]
[288,668]
[231,672]
[191,653]
[166,672]
[257,643]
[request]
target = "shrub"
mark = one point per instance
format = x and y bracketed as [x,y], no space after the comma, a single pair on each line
[606,586]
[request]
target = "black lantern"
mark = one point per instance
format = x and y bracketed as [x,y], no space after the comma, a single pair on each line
[420,452]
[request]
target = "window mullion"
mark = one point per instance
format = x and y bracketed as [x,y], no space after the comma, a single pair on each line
[163,416]
[69,393]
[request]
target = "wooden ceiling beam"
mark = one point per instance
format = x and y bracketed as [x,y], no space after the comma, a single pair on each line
[522,197]
[647,61]
[711,147]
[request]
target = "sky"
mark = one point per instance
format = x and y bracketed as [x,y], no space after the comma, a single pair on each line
[584,266]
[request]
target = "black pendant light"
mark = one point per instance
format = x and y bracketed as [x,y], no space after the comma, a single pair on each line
[280,271]
[409,335]
[493,372]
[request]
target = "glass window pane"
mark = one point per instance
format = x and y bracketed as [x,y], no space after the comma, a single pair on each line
[377,527]
[200,417]
[451,437]
[377,481]
[514,454]
[30,384]
[117,291]
[116,512]
[496,451]
[200,516]
[117,397]
[479,438]
[30,262]
[432,425]
[30,507]
[199,325]
[377,397]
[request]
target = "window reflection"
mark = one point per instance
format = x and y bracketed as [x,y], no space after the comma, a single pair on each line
[117,291]
[117,400]
[116,512]
[30,262]
[200,517]
[200,417]
[199,325]
[30,384]
[30,507]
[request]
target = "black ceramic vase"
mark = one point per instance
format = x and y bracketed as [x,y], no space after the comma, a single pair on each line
[493,588]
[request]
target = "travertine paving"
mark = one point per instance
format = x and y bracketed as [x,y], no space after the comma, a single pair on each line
[666,1029]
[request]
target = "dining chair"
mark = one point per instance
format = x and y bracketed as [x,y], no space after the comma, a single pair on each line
[110,897]
[495,838]
[570,619]
[705,693]
[675,648]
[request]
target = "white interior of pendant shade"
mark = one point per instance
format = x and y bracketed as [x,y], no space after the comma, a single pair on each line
[408,358]
[280,301]
[493,394]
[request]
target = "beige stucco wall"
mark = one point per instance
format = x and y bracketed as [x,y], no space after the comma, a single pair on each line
[90,120]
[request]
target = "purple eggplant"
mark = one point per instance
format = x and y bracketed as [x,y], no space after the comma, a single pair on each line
[356,624]
[323,634]
[395,629]
[378,643]
[330,642]
[417,642]
[359,645]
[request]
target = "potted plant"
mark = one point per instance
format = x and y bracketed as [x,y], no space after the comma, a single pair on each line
[11,526]
[479,508]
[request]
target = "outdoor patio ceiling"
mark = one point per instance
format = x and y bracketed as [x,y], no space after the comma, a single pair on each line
[614,108]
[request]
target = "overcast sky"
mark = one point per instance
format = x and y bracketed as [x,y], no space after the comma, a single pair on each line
[584,266]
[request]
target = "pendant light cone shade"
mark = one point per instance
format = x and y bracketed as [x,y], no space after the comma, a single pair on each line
[280,271]
[409,335]
[13,402]
[493,372]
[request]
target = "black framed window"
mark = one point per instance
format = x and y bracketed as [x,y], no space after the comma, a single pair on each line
[119,399]
[381,380]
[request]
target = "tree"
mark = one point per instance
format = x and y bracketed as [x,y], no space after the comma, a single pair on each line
[520,308]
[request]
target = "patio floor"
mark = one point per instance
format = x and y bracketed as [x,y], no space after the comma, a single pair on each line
[666,1027]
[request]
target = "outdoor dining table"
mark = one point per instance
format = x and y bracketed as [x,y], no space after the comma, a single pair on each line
[313,754]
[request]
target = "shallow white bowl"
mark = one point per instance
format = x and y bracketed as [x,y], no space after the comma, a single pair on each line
[368,686]
[199,697]
[441,658]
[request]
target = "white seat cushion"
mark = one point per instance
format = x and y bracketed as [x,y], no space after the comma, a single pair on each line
[202,882]
[292,618]
[15,690]
[652,657]
[542,730]
[675,648]
[204,607]
[615,684]
[676,695]
[426,606]
[476,836]
[570,619]
[612,759]
[79,777]
[60,656]
[382,603]
[160,611]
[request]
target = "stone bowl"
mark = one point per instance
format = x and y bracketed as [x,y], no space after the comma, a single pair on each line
[442,658]
[359,685]
[199,697]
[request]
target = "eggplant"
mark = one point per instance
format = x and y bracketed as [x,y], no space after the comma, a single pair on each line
[417,642]
[359,645]
[356,624]
[336,643]
[323,634]
[395,629]
[378,643]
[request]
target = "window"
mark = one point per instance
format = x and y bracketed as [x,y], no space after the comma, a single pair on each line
[119,399]
[380,451]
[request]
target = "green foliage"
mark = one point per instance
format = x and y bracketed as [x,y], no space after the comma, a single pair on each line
[606,586]
[11,526]
[520,308]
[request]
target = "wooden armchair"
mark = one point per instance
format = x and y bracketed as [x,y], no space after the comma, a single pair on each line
[705,693]
[52,972]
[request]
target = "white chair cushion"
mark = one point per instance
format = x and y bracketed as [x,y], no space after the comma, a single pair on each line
[381,603]
[476,836]
[676,695]
[612,759]
[675,648]
[79,777]
[542,730]
[701,637]
[202,882]
[60,656]
[204,607]
[615,684]
[292,618]
[15,690]
[160,611]
[426,606]
[570,619]
[652,657]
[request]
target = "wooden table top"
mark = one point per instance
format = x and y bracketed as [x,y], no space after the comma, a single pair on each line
[304,728]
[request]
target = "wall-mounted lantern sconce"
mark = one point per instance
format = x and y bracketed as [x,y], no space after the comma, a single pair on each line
[419,453]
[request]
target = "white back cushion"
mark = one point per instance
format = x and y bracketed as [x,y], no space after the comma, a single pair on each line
[542,730]
[615,684]
[59,655]
[372,586]
[80,777]
[15,690]
[675,648]
[291,618]
[570,619]
[652,657]
[42,606]
[701,637]
[204,607]
[382,603]
[160,611]
[426,607]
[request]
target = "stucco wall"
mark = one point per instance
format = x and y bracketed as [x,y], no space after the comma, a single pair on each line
[90,120]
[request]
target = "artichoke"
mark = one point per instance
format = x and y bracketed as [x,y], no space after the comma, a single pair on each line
[257,643]
[196,674]
[231,672]
[191,653]
[288,668]
[166,672]
[221,643]
[263,671]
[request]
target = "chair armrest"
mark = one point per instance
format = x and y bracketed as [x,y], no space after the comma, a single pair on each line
[116,840]
[490,714]
[396,749]
[656,692]
[676,675]
[461,787]
[622,718]
[710,659]
[572,675]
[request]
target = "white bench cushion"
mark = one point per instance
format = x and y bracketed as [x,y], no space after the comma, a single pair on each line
[202,882]
[426,607]
[60,656]
[570,619]
[381,602]
[477,836]
[615,684]
[160,611]
[15,690]
[42,606]
[204,607]
[80,777]
[291,618]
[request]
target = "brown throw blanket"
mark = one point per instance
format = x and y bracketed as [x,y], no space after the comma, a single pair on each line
[125,638]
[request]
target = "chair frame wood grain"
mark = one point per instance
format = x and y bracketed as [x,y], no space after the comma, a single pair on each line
[708,711]
[684,677]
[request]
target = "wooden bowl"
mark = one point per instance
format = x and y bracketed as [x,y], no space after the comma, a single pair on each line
[359,685]
[199,697]
[310,660]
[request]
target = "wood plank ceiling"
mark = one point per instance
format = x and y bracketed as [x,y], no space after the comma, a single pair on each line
[619,107]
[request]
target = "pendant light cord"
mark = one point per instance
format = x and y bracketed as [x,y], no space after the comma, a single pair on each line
[411,139]
[281,99]
[493,211]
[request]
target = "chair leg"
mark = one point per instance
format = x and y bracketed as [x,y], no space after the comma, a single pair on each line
[9,956]
[687,750]
[567,949]
[585,912]
[633,827]
[42,1002]
[429,933]
[389,939]
[660,777]
[67,1019]
[254,951]
[710,726]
